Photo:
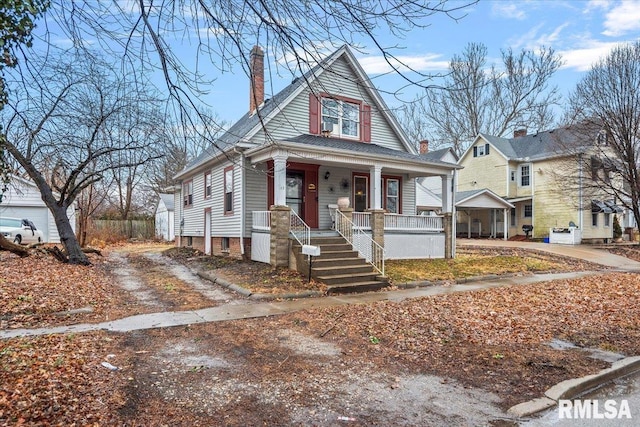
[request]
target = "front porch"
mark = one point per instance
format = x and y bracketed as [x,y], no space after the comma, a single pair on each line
[308,177]
[375,235]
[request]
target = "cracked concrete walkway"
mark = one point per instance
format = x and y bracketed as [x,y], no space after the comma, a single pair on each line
[235,311]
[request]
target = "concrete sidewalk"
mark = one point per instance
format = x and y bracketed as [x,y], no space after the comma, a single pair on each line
[237,311]
[583,252]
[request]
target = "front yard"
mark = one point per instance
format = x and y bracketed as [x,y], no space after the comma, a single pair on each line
[360,364]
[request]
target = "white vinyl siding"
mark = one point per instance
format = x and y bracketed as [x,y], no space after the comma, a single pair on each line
[255,185]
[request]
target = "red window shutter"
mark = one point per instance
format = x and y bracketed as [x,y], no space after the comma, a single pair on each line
[365,122]
[314,114]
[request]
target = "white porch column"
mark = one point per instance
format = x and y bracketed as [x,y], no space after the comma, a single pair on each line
[280,179]
[375,185]
[505,225]
[447,193]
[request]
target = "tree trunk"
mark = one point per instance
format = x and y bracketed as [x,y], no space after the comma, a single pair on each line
[7,245]
[68,237]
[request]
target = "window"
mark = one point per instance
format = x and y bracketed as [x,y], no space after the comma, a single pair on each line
[525,175]
[187,193]
[594,219]
[224,244]
[513,217]
[607,220]
[341,118]
[528,211]
[513,176]
[207,185]
[360,193]
[481,150]
[228,190]
[392,198]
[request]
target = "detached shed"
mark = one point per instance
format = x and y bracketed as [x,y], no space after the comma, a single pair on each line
[165,217]
[23,201]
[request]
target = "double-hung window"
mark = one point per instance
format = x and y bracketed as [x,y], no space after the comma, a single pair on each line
[187,193]
[341,118]
[228,190]
[392,195]
[207,185]
[528,211]
[525,175]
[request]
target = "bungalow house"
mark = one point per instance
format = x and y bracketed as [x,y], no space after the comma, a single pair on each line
[546,179]
[323,163]
[23,200]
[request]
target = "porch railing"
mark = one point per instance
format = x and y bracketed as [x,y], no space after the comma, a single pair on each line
[299,229]
[361,241]
[261,220]
[413,222]
[362,220]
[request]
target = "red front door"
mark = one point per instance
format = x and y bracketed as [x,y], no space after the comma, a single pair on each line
[302,191]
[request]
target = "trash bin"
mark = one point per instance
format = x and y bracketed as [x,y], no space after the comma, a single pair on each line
[545,240]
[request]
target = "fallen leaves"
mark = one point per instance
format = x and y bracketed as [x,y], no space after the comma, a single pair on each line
[40,291]
[57,380]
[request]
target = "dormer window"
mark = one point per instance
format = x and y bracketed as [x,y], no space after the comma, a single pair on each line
[340,118]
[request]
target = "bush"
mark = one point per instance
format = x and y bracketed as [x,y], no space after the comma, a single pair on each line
[617,230]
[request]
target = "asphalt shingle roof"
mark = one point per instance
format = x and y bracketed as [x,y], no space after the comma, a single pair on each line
[359,147]
[537,146]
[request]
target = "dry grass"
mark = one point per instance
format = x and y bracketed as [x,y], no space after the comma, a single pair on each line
[401,271]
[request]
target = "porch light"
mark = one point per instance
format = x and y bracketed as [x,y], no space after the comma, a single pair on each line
[327,174]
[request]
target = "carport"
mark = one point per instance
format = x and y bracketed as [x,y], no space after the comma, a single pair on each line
[480,210]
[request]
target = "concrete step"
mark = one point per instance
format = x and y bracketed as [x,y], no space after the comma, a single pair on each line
[326,255]
[327,240]
[338,263]
[353,287]
[340,279]
[328,271]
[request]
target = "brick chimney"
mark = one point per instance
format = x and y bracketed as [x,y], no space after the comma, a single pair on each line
[424,146]
[256,70]
[520,133]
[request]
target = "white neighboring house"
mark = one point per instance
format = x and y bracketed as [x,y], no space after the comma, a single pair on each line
[165,217]
[23,201]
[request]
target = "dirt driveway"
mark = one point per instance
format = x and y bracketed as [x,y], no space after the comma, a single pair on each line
[263,372]
[458,359]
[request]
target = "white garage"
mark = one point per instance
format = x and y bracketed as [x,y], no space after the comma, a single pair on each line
[23,200]
[165,217]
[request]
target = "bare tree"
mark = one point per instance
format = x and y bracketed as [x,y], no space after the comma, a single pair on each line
[60,127]
[496,99]
[606,102]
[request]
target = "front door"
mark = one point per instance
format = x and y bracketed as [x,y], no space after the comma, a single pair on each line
[301,191]
[295,192]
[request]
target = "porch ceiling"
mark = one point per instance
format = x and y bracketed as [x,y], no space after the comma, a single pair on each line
[337,152]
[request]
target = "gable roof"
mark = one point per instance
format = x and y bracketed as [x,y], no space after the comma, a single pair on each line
[538,146]
[440,154]
[469,195]
[249,124]
[168,200]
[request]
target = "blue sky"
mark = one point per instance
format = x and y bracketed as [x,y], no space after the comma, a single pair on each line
[580,31]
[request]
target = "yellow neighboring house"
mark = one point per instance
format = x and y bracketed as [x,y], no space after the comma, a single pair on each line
[542,177]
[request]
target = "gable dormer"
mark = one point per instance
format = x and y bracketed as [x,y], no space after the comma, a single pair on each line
[338,116]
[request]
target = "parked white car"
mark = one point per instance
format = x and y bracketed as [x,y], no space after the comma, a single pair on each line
[20,230]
